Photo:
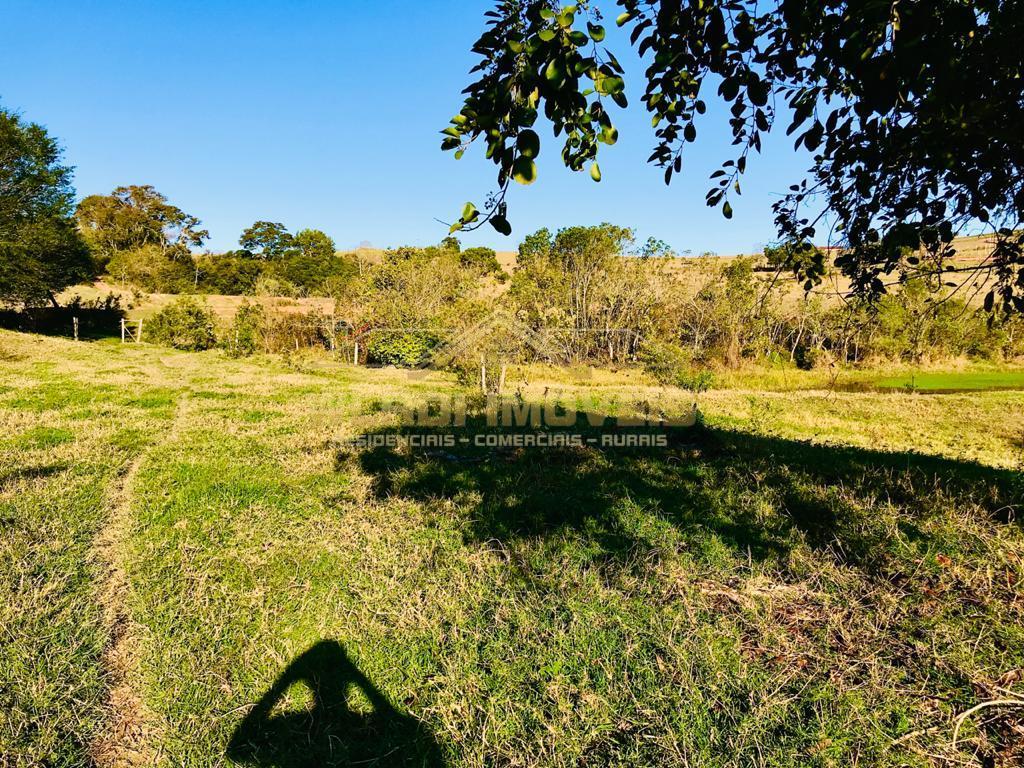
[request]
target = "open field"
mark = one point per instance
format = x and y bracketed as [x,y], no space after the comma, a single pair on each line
[954,382]
[143,305]
[198,571]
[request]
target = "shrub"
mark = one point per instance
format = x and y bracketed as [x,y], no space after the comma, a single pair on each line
[247,334]
[291,331]
[808,358]
[186,324]
[484,261]
[664,361]
[230,274]
[271,286]
[309,273]
[696,381]
[401,348]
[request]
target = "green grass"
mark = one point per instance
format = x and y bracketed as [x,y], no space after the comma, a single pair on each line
[55,467]
[949,377]
[808,579]
[970,381]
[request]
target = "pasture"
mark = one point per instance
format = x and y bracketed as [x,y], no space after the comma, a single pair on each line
[198,570]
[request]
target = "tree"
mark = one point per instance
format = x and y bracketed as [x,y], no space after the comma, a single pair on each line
[267,240]
[133,217]
[483,261]
[409,299]
[40,250]
[913,113]
[151,268]
[561,281]
[314,244]
[229,273]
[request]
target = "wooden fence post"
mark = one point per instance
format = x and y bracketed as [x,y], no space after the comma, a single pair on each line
[122,330]
[138,333]
[74,322]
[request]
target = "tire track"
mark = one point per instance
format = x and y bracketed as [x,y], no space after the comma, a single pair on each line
[131,729]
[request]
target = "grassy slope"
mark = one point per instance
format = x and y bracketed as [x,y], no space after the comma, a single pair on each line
[748,599]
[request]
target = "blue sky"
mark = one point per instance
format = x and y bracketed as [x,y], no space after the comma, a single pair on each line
[326,115]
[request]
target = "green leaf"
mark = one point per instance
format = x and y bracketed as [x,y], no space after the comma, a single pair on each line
[613,85]
[469,212]
[727,210]
[500,223]
[596,31]
[595,171]
[729,88]
[528,143]
[555,72]
[623,18]
[524,171]
[610,85]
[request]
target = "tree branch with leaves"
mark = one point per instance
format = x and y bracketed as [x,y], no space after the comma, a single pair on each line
[911,112]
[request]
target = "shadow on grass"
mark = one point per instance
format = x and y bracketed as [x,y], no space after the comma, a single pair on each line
[96,320]
[330,732]
[19,474]
[755,494]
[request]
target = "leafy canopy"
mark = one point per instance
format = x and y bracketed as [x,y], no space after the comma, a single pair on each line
[133,217]
[912,114]
[267,240]
[40,251]
[314,244]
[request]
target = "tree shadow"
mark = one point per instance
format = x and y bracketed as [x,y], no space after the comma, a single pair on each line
[330,732]
[706,482]
[100,319]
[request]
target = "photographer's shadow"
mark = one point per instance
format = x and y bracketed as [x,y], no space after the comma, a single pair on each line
[329,733]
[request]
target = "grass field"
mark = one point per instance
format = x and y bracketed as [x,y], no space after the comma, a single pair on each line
[198,571]
[955,382]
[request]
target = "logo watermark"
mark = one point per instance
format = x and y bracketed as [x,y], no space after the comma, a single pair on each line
[510,422]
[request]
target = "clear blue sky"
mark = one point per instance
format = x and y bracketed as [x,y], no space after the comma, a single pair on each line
[326,114]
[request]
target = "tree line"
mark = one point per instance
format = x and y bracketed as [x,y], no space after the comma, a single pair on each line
[137,237]
[572,296]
